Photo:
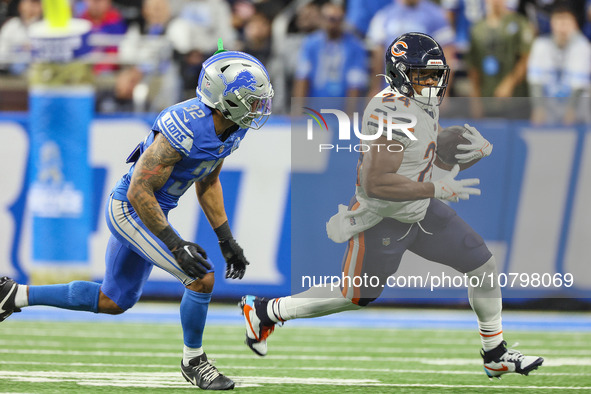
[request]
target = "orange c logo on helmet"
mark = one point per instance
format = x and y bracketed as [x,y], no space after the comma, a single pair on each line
[396,52]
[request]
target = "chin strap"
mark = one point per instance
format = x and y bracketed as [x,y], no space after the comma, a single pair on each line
[386,77]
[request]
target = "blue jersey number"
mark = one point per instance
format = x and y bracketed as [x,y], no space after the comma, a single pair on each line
[178,188]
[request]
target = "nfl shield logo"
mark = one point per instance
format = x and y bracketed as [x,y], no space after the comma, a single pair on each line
[385,241]
[221,149]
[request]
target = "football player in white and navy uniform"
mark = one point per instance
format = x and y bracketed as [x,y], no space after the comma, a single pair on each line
[186,145]
[396,199]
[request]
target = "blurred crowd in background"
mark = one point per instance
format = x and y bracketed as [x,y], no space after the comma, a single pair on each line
[147,54]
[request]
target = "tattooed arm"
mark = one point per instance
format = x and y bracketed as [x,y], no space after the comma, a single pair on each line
[151,173]
[211,198]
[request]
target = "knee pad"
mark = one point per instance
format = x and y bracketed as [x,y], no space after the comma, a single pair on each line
[473,240]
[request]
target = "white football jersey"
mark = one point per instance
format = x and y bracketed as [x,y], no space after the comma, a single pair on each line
[419,153]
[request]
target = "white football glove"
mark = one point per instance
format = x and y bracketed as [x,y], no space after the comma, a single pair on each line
[447,188]
[478,148]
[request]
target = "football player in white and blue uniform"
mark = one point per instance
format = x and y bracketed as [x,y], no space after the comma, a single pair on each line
[397,207]
[186,145]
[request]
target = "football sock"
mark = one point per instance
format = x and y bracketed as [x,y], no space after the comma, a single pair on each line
[486,301]
[491,334]
[20,298]
[314,302]
[194,307]
[190,353]
[77,296]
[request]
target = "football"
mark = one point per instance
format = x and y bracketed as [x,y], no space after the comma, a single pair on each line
[447,143]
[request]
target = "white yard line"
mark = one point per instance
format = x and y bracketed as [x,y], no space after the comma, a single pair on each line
[403,337]
[286,368]
[212,333]
[90,334]
[583,361]
[279,348]
[153,380]
[478,386]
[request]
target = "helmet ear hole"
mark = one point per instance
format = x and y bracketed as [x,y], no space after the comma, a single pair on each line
[232,104]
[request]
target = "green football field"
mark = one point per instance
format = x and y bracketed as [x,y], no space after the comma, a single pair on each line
[107,357]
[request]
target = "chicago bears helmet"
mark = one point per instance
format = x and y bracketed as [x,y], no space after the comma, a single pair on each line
[238,85]
[407,60]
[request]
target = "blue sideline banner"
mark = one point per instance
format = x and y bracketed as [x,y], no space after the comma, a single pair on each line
[60,187]
[61,101]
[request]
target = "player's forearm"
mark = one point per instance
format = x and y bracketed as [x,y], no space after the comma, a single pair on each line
[395,187]
[145,204]
[150,174]
[211,199]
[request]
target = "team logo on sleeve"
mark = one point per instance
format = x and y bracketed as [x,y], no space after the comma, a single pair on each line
[244,79]
[173,129]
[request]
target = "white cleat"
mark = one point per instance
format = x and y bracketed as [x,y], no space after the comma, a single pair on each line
[256,333]
[501,360]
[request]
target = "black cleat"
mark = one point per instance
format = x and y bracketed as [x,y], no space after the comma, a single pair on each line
[7,294]
[203,374]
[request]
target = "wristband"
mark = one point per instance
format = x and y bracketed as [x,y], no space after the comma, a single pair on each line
[223,232]
[169,237]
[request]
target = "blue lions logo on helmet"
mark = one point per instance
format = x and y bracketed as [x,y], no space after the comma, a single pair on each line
[244,79]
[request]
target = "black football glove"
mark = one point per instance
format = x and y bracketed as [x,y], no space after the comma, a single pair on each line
[235,261]
[233,254]
[190,256]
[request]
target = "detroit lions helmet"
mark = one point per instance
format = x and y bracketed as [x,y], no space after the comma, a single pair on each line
[408,59]
[238,85]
